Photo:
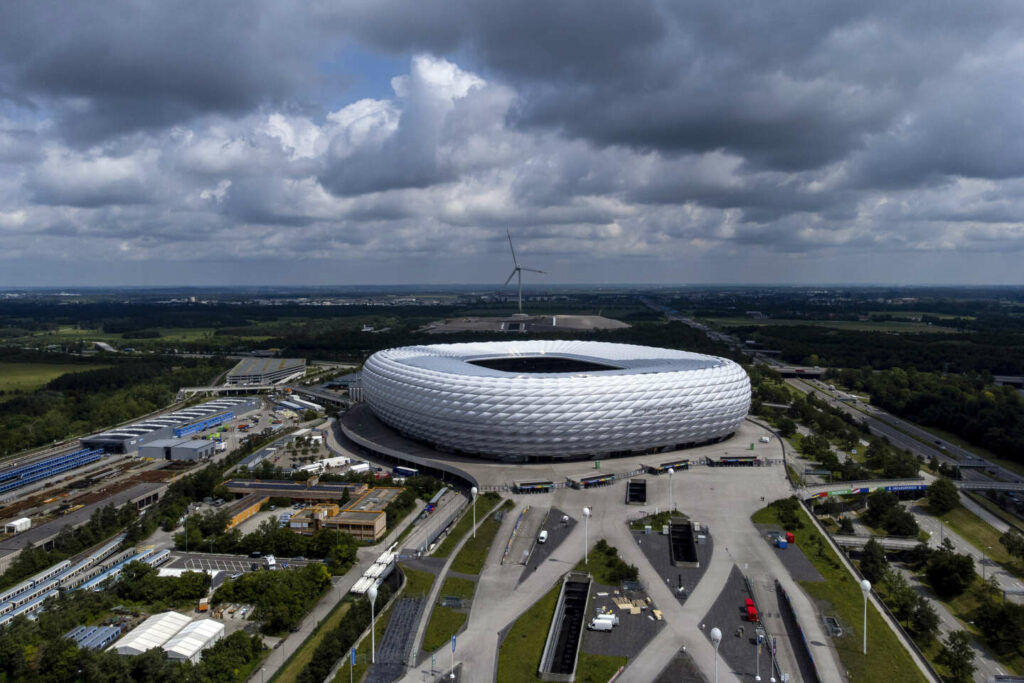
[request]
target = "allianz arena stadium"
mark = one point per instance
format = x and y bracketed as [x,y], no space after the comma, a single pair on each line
[552,400]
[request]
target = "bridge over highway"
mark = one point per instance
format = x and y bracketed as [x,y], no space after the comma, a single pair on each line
[844,488]
[887,542]
[312,393]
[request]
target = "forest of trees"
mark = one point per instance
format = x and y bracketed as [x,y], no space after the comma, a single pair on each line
[82,402]
[37,651]
[983,413]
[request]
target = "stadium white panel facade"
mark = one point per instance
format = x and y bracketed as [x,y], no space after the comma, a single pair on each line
[544,399]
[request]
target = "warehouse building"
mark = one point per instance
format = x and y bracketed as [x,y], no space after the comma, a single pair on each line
[266,370]
[189,643]
[178,449]
[245,507]
[179,423]
[153,632]
[309,490]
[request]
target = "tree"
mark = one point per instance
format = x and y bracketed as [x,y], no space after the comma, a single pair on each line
[924,621]
[1013,541]
[879,504]
[899,522]
[845,525]
[943,496]
[873,564]
[958,656]
[787,427]
[948,572]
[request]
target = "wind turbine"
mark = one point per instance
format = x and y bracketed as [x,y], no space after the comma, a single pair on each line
[517,272]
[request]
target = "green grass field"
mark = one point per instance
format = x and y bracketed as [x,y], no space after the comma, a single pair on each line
[593,668]
[417,583]
[888,660]
[32,376]
[304,655]
[445,622]
[471,558]
[484,504]
[982,536]
[520,653]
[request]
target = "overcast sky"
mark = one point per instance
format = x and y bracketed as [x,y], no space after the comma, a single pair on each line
[261,142]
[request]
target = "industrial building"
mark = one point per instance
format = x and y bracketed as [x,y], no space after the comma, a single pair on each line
[364,518]
[177,424]
[542,400]
[266,370]
[153,632]
[188,643]
[309,490]
[245,507]
[178,449]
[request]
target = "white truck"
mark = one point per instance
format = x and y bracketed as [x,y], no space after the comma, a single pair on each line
[270,562]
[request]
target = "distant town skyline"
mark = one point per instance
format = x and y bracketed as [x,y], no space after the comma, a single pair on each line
[394,143]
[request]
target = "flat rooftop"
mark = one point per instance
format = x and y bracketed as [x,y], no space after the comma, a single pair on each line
[264,366]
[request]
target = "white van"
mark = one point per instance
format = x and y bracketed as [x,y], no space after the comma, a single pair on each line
[600,625]
[613,618]
[543,536]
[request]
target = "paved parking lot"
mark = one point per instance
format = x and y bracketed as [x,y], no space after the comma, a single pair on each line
[656,550]
[228,563]
[558,531]
[629,637]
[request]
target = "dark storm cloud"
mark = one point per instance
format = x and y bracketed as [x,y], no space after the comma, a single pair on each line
[114,67]
[637,134]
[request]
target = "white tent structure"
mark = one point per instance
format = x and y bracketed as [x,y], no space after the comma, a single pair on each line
[190,641]
[153,632]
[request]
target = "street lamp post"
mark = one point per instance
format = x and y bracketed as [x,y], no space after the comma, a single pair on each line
[865,587]
[586,535]
[472,493]
[671,504]
[716,639]
[372,594]
[757,657]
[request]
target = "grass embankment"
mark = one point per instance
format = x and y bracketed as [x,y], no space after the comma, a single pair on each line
[445,622]
[888,659]
[999,512]
[31,376]
[981,535]
[484,504]
[417,583]
[363,651]
[520,653]
[304,655]
[605,566]
[471,558]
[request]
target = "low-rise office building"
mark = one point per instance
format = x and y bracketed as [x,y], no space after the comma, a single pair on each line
[178,449]
[365,518]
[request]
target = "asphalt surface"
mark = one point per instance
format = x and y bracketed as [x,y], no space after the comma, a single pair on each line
[792,557]
[655,548]
[558,531]
[632,634]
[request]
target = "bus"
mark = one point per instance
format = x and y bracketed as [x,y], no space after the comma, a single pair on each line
[400,471]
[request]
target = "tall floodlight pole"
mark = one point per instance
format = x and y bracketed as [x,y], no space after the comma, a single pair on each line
[671,504]
[771,678]
[472,493]
[757,657]
[865,587]
[716,639]
[372,594]
[586,535]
